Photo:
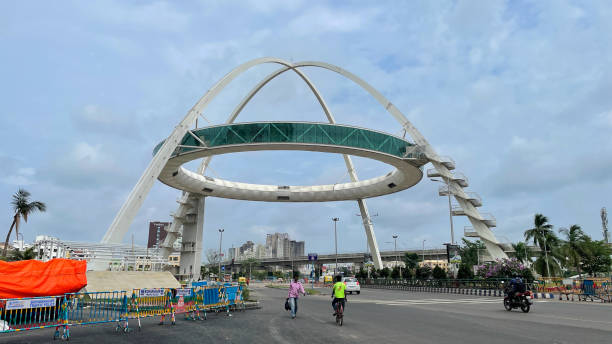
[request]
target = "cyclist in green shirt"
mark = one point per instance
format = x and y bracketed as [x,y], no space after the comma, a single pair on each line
[338,293]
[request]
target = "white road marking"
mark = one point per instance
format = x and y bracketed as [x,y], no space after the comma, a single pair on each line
[426,301]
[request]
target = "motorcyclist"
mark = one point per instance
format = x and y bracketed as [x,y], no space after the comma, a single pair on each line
[515,286]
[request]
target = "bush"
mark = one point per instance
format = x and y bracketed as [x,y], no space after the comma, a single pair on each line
[439,273]
[423,272]
[464,272]
[504,268]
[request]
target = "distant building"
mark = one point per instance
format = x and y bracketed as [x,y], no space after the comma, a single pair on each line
[279,245]
[433,262]
[174,259]
[233,253]
[157,233]
[297,248]
[248,246]
[48,247]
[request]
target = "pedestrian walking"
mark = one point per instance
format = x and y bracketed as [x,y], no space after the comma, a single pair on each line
[295,289]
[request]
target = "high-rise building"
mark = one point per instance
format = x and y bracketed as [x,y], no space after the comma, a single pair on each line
[297,248]
[248,246]
[279,245]
[157,233]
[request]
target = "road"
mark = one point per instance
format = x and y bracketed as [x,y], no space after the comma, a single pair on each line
[386,316]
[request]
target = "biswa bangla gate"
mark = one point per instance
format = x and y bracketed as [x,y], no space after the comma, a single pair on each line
[186,143]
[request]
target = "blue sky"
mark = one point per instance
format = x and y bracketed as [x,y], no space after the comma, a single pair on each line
[518,93]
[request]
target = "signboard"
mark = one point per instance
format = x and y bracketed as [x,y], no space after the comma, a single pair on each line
[453,253]
[183,292]
[312,257]
[31,303]
[151,292]
[180,305]
[223,268]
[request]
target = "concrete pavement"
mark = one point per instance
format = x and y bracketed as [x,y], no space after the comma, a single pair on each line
[374,316]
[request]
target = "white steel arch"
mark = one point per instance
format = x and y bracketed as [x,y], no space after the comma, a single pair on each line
[125,216]
[454,186]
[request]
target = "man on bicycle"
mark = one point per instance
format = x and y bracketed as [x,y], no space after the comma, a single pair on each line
[338,293]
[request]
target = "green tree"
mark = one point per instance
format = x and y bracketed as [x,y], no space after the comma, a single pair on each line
[395,273]
[574,247]
[522,252]
[470,251]
[423,272]
[23,208]
[411,260]
[385,272]
[27,254]
[250,262]
[465,272]
[543,236]
[597,257]
[439,273]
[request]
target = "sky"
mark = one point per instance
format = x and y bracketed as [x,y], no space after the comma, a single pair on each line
[518,93]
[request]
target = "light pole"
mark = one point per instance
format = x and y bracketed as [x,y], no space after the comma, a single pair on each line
[424,251]
[336,219]
[396,255]
[220,254]
[450,209]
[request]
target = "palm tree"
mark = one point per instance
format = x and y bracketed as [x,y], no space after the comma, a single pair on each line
[23,207]
[522,252]
[543,236]
[574,248]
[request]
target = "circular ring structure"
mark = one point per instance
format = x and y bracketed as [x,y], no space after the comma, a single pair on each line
[406,157]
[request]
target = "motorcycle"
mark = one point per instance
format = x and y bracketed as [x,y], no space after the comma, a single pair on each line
[520,300]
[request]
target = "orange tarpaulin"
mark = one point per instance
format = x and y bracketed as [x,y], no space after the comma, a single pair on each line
[29,278]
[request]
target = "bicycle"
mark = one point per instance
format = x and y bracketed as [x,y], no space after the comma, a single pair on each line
[339,313]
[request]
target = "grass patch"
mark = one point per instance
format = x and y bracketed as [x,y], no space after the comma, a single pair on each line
[311,291]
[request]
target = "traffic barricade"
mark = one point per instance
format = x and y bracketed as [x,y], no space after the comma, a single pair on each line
[23,314]
[152,302]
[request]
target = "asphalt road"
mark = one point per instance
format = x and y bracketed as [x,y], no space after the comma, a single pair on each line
[386,316]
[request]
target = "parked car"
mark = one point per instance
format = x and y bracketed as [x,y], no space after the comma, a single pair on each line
[352,285]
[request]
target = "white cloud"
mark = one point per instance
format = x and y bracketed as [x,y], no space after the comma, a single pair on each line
[320,20]
[23,176]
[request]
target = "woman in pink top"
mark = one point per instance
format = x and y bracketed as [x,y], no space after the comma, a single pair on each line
[295,288]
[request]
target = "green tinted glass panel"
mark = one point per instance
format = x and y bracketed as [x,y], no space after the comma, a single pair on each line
[271,132]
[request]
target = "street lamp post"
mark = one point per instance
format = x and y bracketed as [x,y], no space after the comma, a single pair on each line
[220,254]
[424,251]
[336,219]
[450,209]
[397,255]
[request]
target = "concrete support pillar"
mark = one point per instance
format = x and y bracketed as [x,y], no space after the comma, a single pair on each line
[191,249]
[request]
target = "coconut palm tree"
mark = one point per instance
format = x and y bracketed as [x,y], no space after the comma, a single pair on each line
[542,235]
[574,246]
[522,252]
[23,208]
